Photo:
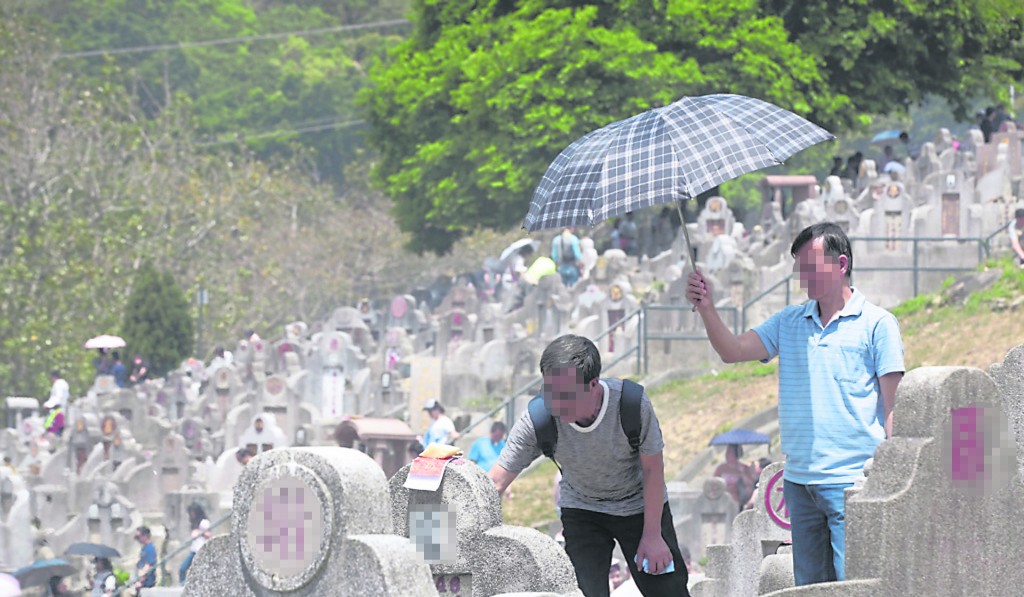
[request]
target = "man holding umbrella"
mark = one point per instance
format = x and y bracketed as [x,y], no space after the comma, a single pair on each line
[840,362]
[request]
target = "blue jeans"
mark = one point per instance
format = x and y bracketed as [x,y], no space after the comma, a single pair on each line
[570,273]
[185,565]
[817,514]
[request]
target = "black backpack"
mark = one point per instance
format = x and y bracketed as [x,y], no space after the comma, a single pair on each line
[629,417]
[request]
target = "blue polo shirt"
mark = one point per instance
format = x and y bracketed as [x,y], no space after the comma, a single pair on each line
[831,412]
[484,452]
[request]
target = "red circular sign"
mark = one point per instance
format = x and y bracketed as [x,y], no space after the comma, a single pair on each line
[398,307]
[775,501]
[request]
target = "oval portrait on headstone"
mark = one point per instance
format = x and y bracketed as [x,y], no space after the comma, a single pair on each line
[288,527]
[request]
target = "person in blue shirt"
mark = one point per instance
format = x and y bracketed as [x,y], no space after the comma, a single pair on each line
[840,362]
[145,569]
[485,450]
[119,371]
[565,251]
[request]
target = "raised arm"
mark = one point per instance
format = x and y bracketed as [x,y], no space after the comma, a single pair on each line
[730,347]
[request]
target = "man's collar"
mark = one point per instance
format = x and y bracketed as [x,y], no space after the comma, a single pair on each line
[854,306]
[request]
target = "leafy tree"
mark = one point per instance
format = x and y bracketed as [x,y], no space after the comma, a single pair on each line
[471,108]
[157,322]
[468,112]
[888,55]
[246,93]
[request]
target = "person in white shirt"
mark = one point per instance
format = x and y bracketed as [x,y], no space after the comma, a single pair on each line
[1016,231]
[442,429]
[60,392]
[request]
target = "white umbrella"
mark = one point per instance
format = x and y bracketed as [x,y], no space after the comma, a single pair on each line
[511,249]
[106,342]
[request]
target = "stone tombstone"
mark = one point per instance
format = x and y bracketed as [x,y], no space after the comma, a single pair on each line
[715,219]
[474,554]
[218,393]
[15,521]
[263,434]
[85,434]
[309,522]
[171,463]
[715,509]
[402,313]
[938,510]
[333,378]
[351,321]
[890,218]
[733,570]
[1009,378]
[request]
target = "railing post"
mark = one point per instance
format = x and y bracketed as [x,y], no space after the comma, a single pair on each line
[915,268]
[641,342]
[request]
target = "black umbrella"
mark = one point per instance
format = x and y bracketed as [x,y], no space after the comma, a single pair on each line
[38,573]
[94,550]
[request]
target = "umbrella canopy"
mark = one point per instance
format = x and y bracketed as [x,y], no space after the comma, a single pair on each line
[663,155]
[514,247]
[894,166]
[38,573]
[739,436]
[94,550]
[9,586]
[886,137]
[105,342]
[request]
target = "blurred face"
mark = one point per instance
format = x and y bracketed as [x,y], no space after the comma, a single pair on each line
[819,274]
[258,425]
[434,413]
[497,435]
[568,397]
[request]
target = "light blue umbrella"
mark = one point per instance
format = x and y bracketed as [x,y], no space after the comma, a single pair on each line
[886,137]
[740,436]
[40,572]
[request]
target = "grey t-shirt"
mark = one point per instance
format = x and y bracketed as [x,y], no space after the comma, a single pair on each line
[600,472]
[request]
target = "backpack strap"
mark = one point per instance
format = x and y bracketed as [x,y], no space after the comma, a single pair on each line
[629,412]
[544,427]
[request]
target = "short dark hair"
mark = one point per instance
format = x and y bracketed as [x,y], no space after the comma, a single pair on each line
[834,241]
[55,373]
[572,351]
[144,531]
[242,453]
[1019,213]
[498,426]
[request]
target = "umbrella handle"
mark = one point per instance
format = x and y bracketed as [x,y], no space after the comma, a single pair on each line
[689,246]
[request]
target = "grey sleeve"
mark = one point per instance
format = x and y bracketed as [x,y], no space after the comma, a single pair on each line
[521,446]
[651,441]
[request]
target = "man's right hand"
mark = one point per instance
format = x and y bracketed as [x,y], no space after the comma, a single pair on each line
[699,291]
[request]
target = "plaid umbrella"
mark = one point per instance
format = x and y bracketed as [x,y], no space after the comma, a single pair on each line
[666,154]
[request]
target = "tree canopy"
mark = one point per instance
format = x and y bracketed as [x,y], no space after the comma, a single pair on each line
[467,113]
[158,320]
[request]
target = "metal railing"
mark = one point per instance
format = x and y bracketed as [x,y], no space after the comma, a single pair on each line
[647,336]
[916,267]
[636,350]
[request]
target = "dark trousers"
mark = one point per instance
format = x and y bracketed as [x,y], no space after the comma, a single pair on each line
[590,538]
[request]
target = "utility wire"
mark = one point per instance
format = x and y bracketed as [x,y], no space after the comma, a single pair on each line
[231,40]
[242,137]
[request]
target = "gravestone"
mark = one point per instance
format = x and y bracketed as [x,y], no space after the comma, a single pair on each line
[474,554]
[733,570]
[937,513]
[310,521]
